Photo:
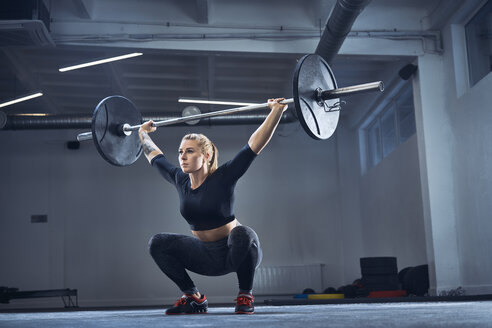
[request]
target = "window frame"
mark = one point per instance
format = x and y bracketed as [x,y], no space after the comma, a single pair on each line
[375,117]
[469,72]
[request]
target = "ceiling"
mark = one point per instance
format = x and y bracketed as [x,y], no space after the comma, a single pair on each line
[156,80]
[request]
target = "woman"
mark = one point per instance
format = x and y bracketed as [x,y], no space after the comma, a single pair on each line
[220,244]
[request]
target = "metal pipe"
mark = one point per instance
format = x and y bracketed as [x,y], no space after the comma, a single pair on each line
[352,90]
[320,94]
[128,128]
[84,121]
[205,115]
[84,136]
[46,121]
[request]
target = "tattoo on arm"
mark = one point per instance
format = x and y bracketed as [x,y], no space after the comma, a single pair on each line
[147,143]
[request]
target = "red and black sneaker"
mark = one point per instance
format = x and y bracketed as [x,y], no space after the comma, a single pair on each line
[189,304]
[245,304]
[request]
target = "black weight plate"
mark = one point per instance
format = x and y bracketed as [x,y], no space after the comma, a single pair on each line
[389,261]
[319,121]
[402,273]
[371,271]
[330,290]
[115,147]
[416,280]
[308,291]
[378,287]
[386,279]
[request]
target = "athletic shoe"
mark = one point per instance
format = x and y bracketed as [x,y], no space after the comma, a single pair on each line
[189,304]
[245,304]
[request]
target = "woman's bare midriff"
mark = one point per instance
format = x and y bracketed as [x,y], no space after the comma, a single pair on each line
[217,233]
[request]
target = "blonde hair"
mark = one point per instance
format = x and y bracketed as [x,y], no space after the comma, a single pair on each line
[206,146]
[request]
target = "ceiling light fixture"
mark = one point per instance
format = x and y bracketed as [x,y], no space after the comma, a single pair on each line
[17,100]
[31,114]
[214,102]
[102,61]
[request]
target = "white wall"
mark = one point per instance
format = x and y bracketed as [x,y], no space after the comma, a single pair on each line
[391,207]
[100,217]
[470,116]
[448,159]
[382,209]
[454,145]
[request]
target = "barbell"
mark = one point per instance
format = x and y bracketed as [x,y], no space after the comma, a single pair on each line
[316,99]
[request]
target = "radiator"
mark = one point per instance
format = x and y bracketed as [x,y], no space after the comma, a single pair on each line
[293,279]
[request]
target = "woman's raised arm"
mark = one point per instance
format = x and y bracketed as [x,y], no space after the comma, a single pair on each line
[260,138]
[149,147]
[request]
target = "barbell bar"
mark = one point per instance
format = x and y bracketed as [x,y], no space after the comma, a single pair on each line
[125,128]
[316,99]
[321,94]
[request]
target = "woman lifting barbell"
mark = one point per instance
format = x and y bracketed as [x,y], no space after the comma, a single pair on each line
[220,244]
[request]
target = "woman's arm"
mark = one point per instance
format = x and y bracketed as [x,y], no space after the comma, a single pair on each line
[149,147]
[260,138]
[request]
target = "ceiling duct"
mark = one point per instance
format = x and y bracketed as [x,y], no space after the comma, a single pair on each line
[84,121]
[338,27]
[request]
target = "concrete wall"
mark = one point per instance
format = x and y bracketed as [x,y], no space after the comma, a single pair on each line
[447,222]
[473,185]
[381,209]
[100,217]
[470,116]
[391,207]
[454,147]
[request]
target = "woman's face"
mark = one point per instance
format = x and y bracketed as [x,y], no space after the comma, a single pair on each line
[190,157]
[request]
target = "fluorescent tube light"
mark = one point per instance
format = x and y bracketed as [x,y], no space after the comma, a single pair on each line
[214,102]
[102,61]
[39,94]
[32,114]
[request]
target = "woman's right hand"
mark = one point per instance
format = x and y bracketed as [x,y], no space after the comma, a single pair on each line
[275,104]
[147,127]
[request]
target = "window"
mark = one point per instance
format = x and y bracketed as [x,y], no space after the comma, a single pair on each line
[373,137]
[478,33]
[388,129]
[392,126]
[405,115]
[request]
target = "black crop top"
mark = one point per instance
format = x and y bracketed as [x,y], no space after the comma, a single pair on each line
[211,204]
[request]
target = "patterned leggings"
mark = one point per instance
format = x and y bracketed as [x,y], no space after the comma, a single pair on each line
[239,252]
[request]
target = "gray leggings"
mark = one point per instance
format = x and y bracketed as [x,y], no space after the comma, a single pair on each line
[239,252]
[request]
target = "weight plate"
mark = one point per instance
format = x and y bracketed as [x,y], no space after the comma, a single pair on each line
[191,110]
[372,271]
[114,146]
[367,262]
[308,291]
[372,287]
[382,279]
[311,73]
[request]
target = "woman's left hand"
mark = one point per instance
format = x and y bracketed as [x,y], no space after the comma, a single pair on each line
[274,104]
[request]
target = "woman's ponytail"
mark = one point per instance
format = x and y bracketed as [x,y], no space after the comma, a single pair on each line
[213,163]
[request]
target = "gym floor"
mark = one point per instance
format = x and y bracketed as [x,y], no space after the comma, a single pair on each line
[453,314]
